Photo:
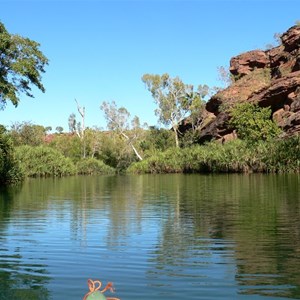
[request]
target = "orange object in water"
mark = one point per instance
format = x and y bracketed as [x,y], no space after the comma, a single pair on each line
[95,293]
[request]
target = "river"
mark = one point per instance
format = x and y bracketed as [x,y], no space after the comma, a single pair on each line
[168,237]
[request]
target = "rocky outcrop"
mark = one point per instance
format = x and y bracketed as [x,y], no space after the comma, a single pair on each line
[268,78]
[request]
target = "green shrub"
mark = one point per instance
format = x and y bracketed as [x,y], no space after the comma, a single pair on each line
[10,171]
[93,166]
[170,161]
[235,156]
[253,123]
[43,161]
[283,156]
[238,156]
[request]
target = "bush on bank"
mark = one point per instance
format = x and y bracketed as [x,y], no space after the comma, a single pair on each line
[93,166]
[43,161]
[276,156]
[10,172]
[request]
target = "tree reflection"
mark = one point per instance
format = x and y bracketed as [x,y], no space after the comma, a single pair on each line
[257,215]
[248,225]
[20,277]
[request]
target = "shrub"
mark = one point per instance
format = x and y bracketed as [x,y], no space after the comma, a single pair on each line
[10,171]
[93,166]
[253,123]
[238,156]
[283,156]
[170,161]
[235,156]
[43,161]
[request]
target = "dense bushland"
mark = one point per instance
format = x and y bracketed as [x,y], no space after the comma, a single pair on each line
[236,156]
[10,171]
[43,161]
[27,150]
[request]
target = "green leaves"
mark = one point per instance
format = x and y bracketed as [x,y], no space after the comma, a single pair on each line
[42,161]
[174,98]
[10,171]
[253,123]
[21,65]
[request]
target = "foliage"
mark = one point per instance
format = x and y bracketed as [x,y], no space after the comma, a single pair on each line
[113,151]
[42,161]
[67,144]
[59,129]
[21,65]
[276,156]
[93,166]
[170,161]
[283,156]
[173,97]
[25,133]
[157,139]
[78,127]
[10,171]
[118,121]
[253,123]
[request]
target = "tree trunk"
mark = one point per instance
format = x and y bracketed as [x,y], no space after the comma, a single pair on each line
[136,153]
[133,148]
[176,136]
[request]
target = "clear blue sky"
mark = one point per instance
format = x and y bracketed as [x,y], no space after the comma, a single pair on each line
[99,50]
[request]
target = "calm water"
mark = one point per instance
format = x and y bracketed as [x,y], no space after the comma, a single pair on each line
[165,237]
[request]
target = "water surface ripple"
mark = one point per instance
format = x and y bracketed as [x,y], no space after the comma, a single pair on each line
[166,237]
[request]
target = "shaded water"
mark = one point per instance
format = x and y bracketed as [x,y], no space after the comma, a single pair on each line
[155,236]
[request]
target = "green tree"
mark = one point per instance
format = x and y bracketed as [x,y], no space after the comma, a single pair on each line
[59,129]
[21,65]
[69,145]
[253,123]
[118,120]
[173,97]
[25,133]
[79,127]
[157,140]
[10,171]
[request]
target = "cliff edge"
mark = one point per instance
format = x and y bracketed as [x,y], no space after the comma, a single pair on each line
[268,78]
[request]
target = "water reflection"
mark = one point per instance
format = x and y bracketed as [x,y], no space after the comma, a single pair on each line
[168,235]
[22,275]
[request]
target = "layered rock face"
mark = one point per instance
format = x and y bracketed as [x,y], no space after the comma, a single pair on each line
[268,78]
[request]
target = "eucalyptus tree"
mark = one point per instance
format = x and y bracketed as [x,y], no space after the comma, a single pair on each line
[118,120]
[59,129]
[173,97]
[78,127]
[21,66]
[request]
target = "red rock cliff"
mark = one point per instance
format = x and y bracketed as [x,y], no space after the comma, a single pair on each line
[268,78]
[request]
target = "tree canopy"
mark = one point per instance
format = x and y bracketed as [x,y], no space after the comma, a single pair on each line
[174,98]
[21,65]
[118,121]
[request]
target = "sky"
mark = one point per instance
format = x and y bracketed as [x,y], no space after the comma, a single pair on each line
[98,50]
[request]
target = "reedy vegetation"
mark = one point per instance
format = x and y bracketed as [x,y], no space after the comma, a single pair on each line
[276,156]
